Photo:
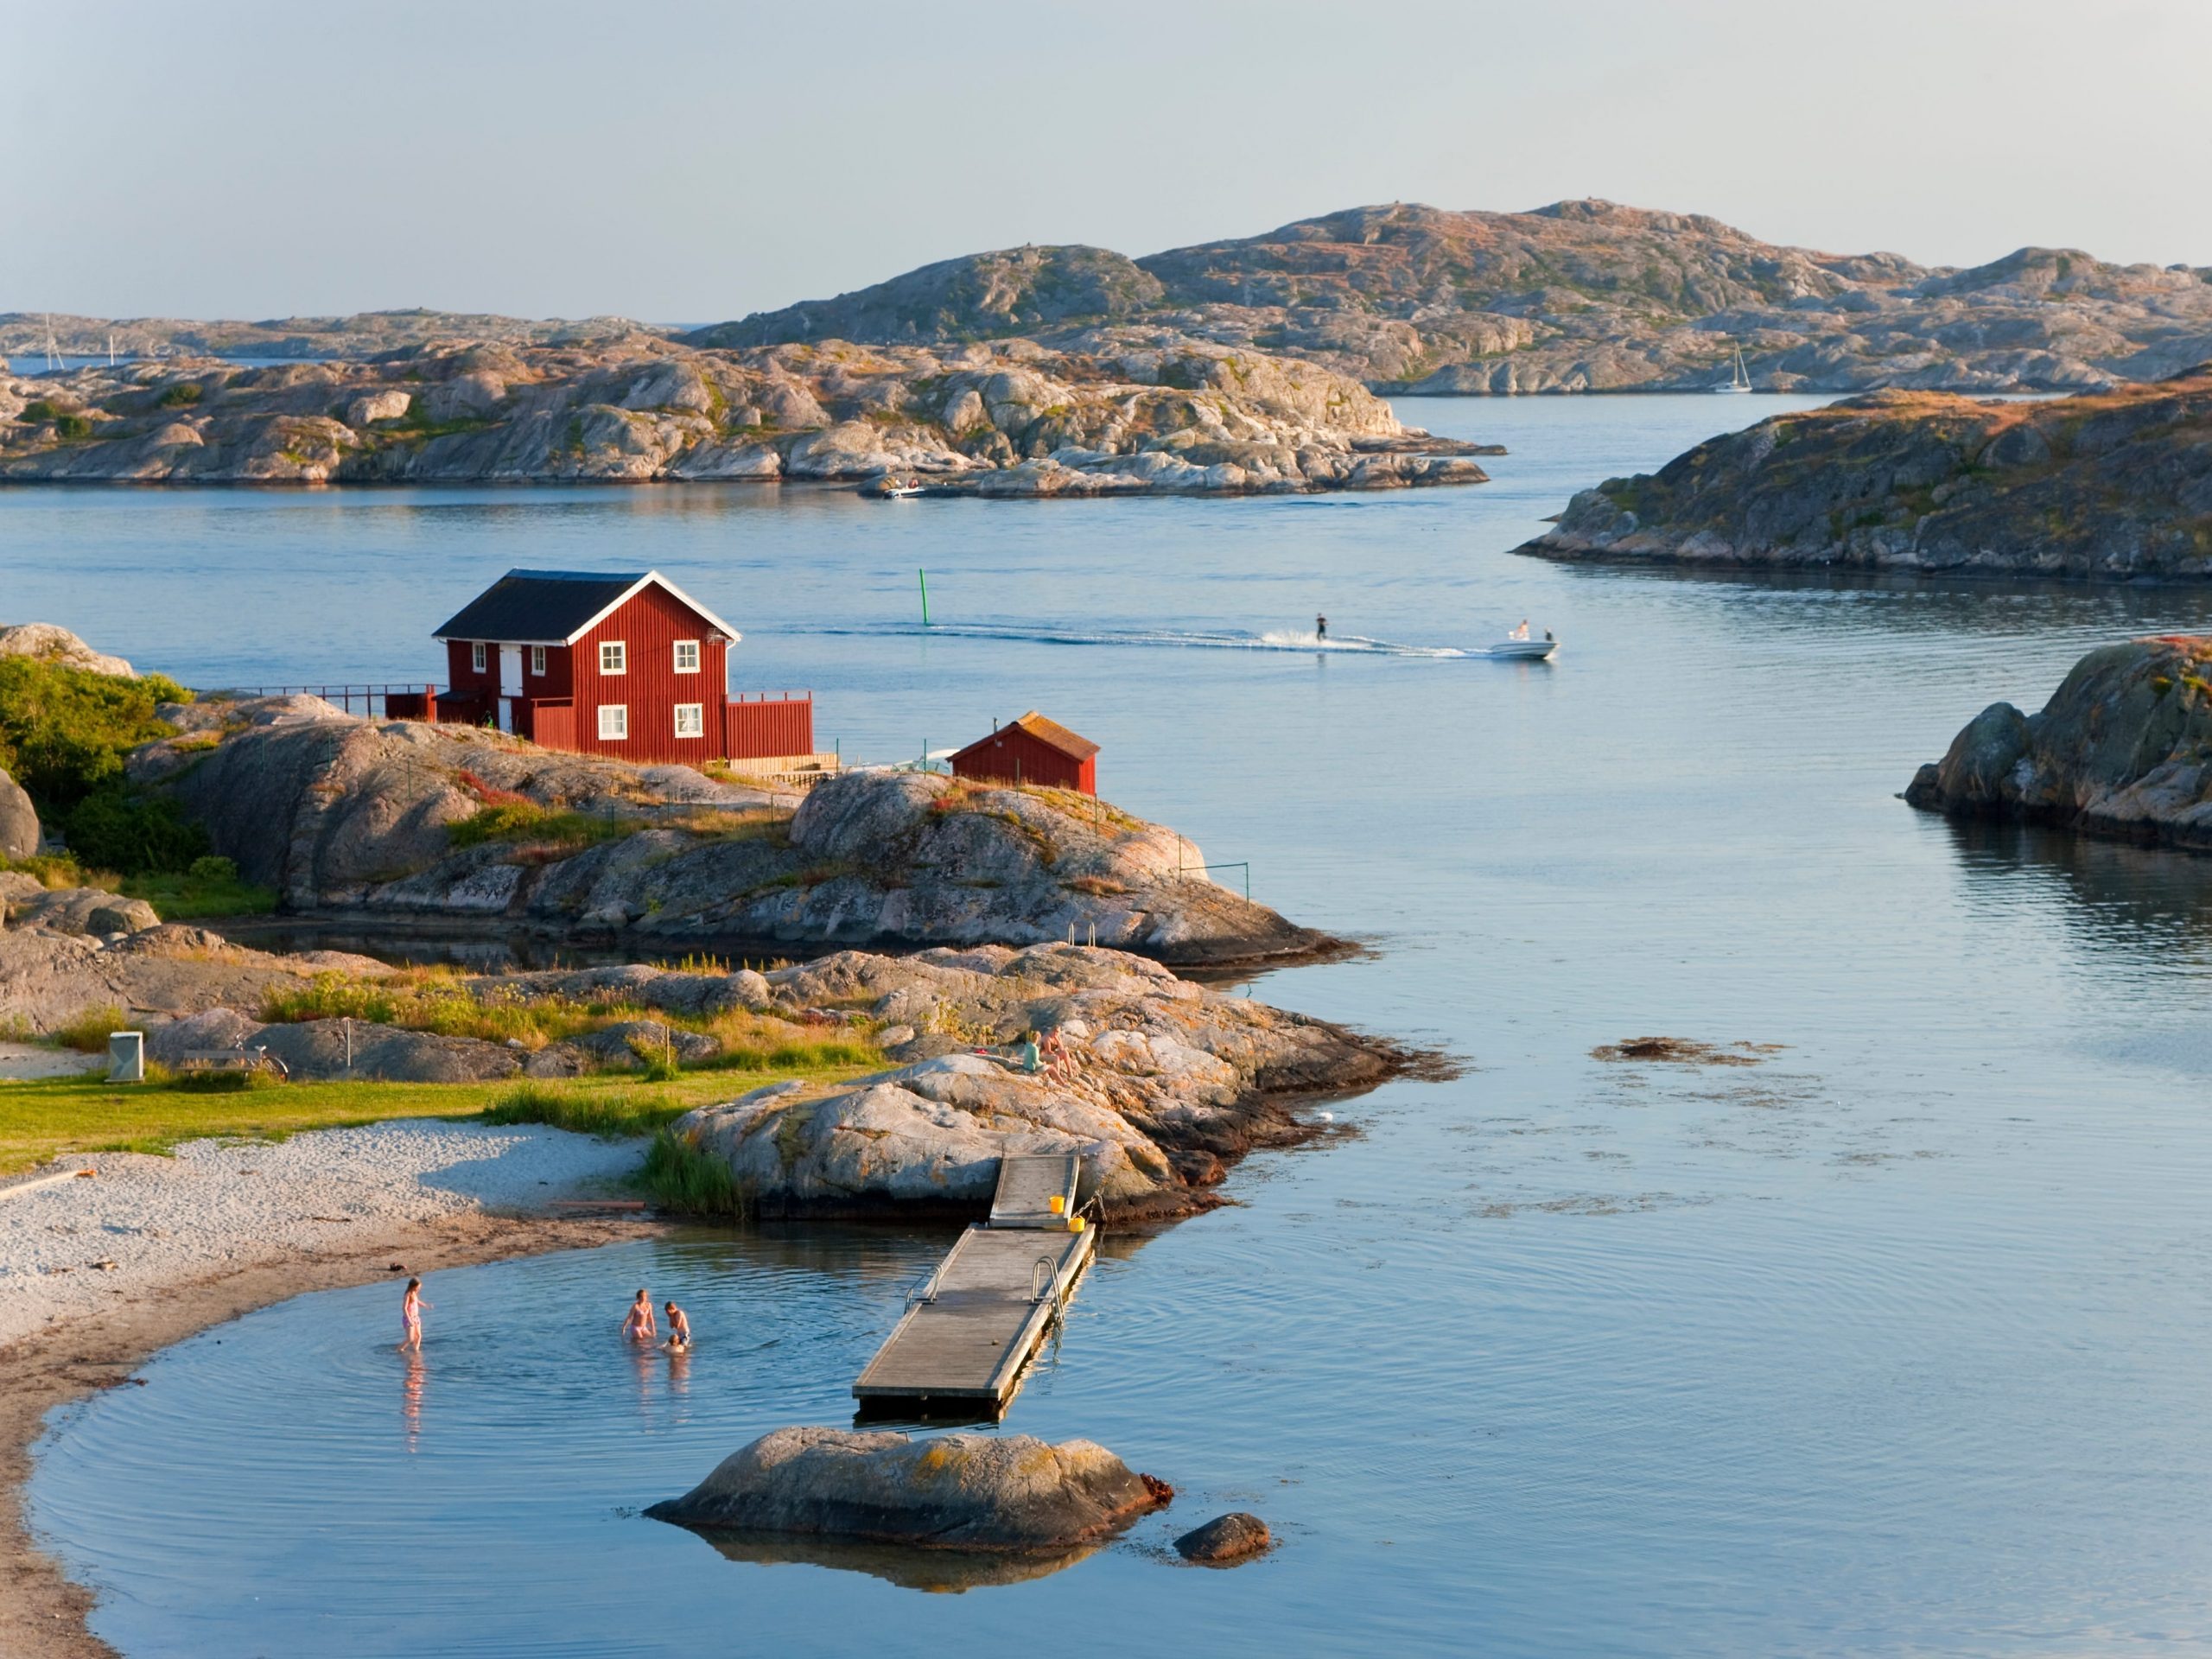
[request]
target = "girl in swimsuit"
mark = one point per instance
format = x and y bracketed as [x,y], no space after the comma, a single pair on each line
[638,1323]
[679,1331]
[410,1317]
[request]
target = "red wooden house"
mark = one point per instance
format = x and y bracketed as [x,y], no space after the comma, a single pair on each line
[626,665]
[1032,750]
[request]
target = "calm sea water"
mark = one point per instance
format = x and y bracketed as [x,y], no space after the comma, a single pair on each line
[1895,1341]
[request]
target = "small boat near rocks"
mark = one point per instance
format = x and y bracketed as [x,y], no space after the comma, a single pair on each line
[888,488]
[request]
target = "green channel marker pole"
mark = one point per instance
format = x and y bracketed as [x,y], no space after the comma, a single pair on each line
[924,576]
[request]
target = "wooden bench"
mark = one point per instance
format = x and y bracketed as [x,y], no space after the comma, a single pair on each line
[229,1059]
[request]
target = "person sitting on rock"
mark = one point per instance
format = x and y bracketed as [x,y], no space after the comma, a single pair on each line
[1059,1059]
[1025,1058]
[638,1323]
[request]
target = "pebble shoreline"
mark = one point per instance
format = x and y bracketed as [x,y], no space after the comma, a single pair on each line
[222,1205]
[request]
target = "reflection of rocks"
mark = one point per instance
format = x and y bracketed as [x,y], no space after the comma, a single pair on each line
[1225,1538]
[2123,748]
[954,1491]
[941,1572]
[1167,1081]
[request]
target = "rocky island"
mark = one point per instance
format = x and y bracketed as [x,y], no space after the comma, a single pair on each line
[454,829]
[2107,485]
[2122,749]
[1578,297]
[1092,415]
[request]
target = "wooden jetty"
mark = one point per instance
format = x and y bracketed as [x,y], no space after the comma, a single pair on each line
[971,1327]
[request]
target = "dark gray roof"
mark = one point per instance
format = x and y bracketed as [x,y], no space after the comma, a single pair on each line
[538,606]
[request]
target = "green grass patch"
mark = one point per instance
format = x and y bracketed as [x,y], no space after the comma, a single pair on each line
[680,1178]
[525,822]
[42,1118]
[613,1114]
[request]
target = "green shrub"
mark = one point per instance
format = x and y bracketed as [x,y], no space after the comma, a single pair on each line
[88,1033]
[71,426]
[64,731]
[213,867]
[691,1182]
[181,395]
[38,409]
[119,830]
[526,820]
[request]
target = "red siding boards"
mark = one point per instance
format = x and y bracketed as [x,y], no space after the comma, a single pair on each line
[1012,755]
[762,726]
[649,687]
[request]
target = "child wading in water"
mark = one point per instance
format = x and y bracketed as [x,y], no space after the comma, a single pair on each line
[638,1323]
[410,1317]
[679,1331]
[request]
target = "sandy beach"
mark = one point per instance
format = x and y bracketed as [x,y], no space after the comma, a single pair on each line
[97,1273]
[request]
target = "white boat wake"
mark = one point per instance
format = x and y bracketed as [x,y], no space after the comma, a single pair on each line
[1172,639]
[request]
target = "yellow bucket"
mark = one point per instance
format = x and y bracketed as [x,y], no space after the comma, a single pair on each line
[1059,1204]
[1075,1223]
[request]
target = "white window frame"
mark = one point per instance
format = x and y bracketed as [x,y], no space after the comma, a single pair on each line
[692,646]
[537,661]
[476,656]
[614,722]
[697,712]
[613,657]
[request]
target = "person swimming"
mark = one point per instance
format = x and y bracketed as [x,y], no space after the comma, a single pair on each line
[638,1322]
[679,1331]
[410,1317]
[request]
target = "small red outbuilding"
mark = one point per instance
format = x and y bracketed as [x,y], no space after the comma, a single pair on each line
[1032,750]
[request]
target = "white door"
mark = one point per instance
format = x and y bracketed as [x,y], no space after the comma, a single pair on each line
[509,684]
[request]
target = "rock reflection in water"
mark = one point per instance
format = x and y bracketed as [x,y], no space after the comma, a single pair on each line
[911,1567]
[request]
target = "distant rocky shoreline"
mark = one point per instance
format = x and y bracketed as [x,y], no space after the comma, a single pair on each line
[1577,297]
[2112,486]
[1009,419]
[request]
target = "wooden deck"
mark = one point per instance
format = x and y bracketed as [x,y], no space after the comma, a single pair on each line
[970,1329]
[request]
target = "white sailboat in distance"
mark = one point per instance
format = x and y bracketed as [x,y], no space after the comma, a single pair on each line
[1742,382]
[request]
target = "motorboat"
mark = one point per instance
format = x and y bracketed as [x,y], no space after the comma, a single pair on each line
[1524,650]
[897,489]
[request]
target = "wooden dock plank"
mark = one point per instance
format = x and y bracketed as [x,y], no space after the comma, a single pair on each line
[972,1339]
[1028,1184]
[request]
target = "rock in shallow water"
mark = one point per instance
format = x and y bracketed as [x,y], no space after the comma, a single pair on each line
[954,1491]
[1225,1538]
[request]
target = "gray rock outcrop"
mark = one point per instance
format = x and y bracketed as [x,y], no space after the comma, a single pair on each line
[1165,1083]
[351,816]
[19,829]
[1152,412]
[49,978]
[50,643]
[953,1491]
[2112,486]
[2122,749]
[1225,1540]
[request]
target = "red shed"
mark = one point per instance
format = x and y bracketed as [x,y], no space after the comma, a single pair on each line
[1032,750]
[627,665]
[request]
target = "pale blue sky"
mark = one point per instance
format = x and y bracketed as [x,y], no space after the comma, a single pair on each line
[693,162]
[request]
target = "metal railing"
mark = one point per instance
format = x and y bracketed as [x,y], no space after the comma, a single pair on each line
[373,696]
